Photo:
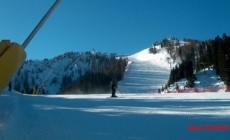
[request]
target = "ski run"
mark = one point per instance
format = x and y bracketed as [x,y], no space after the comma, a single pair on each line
[133,115]
[198,116]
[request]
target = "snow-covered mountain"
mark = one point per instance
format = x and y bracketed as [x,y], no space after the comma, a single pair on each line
[149,70]
[49,73]
[146,116]
[146,72]
[64,71]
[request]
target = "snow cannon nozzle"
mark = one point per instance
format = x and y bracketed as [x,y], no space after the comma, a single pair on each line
[39,25]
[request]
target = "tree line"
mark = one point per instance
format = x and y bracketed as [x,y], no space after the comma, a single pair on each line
[198,55]
[102,69]
[77,72]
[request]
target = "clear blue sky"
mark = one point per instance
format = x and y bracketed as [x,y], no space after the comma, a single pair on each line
[113,26]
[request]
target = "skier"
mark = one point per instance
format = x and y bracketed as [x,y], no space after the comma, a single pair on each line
[159,90]
[10,86]
[113,87]
[43,90]
[35,90]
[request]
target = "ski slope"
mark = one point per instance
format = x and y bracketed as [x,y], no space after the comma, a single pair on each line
[146,72]
[131,116]
[143,77]
[128,117]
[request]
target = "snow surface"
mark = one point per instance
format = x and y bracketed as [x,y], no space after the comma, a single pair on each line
[206,80]
[131,116]
[128,117]
[208,77]
[159,59]
[146,72]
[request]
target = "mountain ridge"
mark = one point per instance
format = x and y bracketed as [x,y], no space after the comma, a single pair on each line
[65,71]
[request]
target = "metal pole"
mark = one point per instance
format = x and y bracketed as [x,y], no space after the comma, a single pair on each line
[39,25]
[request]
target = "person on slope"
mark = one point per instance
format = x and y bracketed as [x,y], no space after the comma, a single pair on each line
[113,87]
[35,89]
[10,86]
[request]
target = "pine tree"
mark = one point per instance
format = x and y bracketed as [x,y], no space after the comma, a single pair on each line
[209,55]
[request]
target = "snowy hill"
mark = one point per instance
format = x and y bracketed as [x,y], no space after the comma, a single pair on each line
[49,73]
[149,71]
[130,116]
[207,81]
[208,77]
[146,72]
[161,58]
[65,71]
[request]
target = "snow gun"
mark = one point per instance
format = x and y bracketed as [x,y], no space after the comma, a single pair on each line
[13,55]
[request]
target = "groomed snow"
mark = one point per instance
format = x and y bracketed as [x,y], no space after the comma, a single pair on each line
[128,117]
[146,72]
[131,116]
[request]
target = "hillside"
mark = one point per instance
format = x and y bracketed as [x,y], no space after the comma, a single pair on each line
[146,72]
[206,81]
[203,115]
[157,67]
[175,64]
[197,55]
[70,71]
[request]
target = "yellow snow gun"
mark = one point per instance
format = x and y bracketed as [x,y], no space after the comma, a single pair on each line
[12,55]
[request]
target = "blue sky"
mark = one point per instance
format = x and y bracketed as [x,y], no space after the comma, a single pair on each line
[112,26]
